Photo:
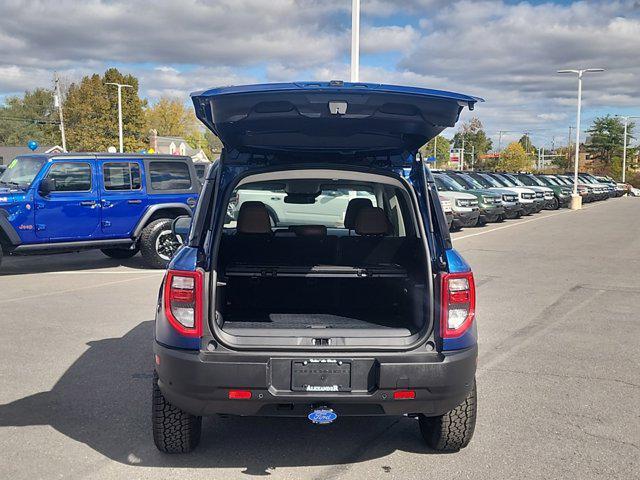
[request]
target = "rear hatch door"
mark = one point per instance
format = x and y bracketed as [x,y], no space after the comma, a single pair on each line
[347,118]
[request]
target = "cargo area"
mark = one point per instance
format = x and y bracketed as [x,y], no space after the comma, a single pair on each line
[357,274]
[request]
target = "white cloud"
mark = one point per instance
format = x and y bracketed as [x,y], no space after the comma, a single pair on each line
[507,53]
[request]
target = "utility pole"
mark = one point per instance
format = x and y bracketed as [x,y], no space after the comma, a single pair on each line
[355,40]
[120,87]
[576,200]
[57,100]
[462,155]
[473,154]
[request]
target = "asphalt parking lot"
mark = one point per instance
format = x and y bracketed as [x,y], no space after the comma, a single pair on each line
[558,377]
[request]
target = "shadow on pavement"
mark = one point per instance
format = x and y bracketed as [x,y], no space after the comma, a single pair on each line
[56,262]
[104,401]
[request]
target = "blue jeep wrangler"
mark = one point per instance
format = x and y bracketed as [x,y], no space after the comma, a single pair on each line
[120,204]
[334,290]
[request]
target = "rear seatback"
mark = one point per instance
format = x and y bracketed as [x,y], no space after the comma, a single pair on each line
[311,246]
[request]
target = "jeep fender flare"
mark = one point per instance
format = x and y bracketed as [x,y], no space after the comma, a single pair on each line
[153,209]
[7,232]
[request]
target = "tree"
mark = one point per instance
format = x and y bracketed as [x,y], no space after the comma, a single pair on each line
[606,137]
[514,159]
[529,148]
[475,139]
[91,113]
[30,117]
[442,150]
[170,117]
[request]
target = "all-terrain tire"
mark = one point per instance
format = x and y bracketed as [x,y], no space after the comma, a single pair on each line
[174,431]
[453,430]
[149,242]
[119,253]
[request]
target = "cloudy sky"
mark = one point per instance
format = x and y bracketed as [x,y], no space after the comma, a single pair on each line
[507,52]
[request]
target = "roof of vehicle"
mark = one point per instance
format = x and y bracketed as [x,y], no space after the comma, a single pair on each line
[106,156]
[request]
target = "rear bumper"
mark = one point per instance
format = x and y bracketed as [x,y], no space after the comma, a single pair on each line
[199,383]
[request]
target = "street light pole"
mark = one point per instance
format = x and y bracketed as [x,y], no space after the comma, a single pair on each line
[576,200]
[355,40]
[58,102]
[120,87]
[624,147]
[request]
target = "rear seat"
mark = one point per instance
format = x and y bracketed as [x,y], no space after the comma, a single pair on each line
[373,246]
[255,243]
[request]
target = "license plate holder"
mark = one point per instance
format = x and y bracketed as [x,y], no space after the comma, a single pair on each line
[321,375]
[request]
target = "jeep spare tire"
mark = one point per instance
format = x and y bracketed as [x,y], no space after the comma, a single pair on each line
[158,243]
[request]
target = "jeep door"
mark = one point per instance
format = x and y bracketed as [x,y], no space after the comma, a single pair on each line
[71,211]
[122,196]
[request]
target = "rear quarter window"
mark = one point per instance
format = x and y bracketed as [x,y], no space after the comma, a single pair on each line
[169,176]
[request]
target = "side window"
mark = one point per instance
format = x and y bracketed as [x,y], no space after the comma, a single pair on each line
[121,176]
[169,176]
[395,216]
[70,176]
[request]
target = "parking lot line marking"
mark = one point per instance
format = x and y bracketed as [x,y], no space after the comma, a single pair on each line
[522,222]
[70,290]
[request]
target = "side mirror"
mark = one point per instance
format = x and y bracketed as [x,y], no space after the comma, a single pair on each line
[181,227]
[47,186]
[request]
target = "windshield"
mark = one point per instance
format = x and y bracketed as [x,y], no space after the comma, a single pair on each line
[549,180]
[490,180]
[445,183]
[504,181]
[514,179]
[21,172]
[470,181]
[297,202]
[456,179]
[526,180]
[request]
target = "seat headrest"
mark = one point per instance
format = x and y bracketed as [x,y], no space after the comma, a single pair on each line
[372,221]
[253,218]
[310,230]
[355,205]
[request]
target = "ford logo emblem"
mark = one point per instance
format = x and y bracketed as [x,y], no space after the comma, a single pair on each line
[322,416]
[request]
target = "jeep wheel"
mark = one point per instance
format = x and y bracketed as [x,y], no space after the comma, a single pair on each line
[174,431]
[119,253]
[158,243]
[453,430]
[555,204]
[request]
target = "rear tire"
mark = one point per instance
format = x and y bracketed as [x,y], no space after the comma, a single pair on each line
[174,431]
[453,430]
[119,253]
[158,243]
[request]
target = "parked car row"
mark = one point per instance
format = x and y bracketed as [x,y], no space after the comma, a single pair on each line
[471,198]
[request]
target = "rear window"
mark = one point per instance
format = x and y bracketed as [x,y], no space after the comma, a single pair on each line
[121,176]
[169,176]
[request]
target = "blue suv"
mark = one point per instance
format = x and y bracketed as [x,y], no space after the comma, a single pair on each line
[317,277]
[120,204]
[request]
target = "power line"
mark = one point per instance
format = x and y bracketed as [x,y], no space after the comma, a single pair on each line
[37,121]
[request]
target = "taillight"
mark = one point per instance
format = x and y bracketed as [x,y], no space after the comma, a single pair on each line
[183,302]
[458,304]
